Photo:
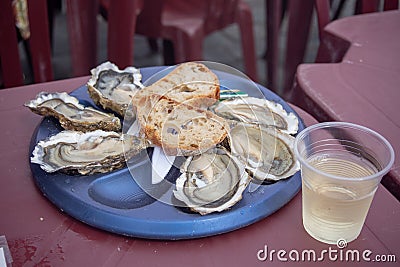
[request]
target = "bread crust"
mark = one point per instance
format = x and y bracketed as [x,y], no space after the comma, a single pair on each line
[189,82]
[180,129]
[172,111]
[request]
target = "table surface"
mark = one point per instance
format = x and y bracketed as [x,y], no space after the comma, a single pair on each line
[364,87]
[38,233]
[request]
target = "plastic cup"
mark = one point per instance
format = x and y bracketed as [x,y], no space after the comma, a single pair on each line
[342,165]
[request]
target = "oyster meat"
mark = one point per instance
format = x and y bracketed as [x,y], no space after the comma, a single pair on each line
[257,111]
[112,88]
[71,114]
[211,182]
[85,153]
[266,152]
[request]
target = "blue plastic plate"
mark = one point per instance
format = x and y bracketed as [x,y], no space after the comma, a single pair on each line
[115,203]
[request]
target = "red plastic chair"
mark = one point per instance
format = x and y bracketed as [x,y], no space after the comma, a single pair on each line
[82,30]
[299,18]
[39,44]
[325,54]
[82,33]
[186,23]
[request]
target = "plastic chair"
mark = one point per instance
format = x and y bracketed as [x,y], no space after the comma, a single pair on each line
[273,13]
[331,49]
[38,44]
[82,30]
[120,45]
[299,18]
[325,53]
[186,23]
[82,33]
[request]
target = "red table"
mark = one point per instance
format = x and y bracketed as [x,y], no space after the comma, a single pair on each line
[39,234]
[364,87]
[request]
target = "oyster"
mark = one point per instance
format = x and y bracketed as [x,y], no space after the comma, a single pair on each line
[71,114]
[257,111]
[85,153]
[113,88]
[210,182]
[266,152]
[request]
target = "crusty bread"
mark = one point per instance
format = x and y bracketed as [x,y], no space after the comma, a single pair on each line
[179,128]
[189,82]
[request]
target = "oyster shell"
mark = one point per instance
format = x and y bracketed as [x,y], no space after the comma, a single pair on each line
[211,182]
[85,153]
[112,88]
[71,114]
[267,152]
[257,111]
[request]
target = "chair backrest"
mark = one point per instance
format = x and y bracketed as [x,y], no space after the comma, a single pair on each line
[219,13]
[83,32]
[121,28]
[38,42]
[149,18]
[82,35]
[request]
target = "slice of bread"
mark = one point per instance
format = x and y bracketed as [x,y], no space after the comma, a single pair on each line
[189,82]
[179,128]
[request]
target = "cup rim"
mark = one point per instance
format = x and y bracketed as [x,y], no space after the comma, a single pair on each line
[330,124]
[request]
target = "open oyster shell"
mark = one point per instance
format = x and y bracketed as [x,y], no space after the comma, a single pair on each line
[112,88]
[85,153]
[71,114]
[211,182]
[257,111]
[266,152]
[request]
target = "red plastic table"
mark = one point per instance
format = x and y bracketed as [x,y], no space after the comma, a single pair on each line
[364,87]
[39,234]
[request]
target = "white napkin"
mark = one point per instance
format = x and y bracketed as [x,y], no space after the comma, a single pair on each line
[161,165]
[2,258]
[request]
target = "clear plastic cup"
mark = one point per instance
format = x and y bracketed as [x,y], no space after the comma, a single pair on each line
[342,165]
